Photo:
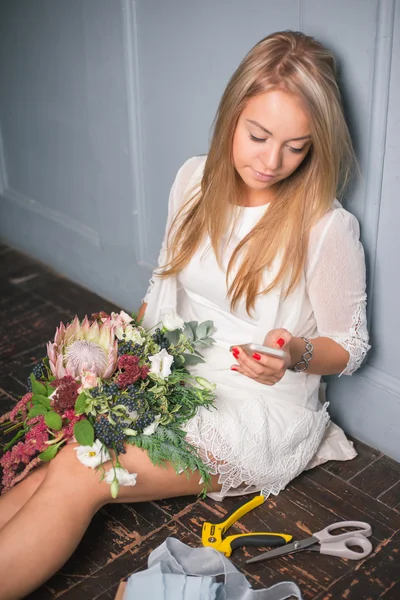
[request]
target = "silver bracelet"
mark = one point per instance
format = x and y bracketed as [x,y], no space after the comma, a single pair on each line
[306,357]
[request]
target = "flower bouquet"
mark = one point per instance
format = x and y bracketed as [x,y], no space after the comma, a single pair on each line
[108,382]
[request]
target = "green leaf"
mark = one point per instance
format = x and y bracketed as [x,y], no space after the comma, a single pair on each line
[15,439]
[39,399]
[84,433]
[37,387]
[193,326]
[173,337]
[80,403]
[188,332]
[49,453]
[129,431]
[36,410]
[201,331]
[209,325]
[50,389]
[192,359]
[53,420]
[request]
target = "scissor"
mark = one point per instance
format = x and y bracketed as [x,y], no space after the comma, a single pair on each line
[213,533]
[335,545]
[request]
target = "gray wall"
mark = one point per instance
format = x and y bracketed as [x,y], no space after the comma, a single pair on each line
[101,101]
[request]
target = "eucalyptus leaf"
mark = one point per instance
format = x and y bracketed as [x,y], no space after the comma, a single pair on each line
[192,359]
[193,326]
[36,410]
[84,433]
[53,420]
[49,453]
[188,332]
[209,325]
[37,387]
[173,337]
[201,331]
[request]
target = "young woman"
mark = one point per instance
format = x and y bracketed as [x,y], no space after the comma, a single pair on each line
[256,242]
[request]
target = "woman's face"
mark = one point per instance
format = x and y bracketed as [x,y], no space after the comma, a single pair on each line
[271,140]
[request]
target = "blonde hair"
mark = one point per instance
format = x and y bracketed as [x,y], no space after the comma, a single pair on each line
[297,64]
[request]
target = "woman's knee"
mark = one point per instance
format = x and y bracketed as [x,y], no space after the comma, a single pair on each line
[65,472]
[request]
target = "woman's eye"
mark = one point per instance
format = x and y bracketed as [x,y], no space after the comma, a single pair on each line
[296,150]
[256,139]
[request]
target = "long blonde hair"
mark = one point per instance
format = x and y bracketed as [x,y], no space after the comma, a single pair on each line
[299,65]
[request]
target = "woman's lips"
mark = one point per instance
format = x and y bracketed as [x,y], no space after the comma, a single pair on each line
[263,176]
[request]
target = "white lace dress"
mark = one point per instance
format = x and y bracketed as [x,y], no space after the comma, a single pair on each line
[260,437]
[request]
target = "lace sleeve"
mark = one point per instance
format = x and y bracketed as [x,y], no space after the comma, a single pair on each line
[182,181]
[336,284]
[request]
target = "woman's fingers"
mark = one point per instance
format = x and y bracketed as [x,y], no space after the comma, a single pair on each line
[263,368]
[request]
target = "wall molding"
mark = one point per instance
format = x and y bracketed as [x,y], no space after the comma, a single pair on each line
[130,29]
[381,380]
[374,165]
[28,203]
[3,170]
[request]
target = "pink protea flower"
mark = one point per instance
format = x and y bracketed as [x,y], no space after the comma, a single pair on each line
[83,347]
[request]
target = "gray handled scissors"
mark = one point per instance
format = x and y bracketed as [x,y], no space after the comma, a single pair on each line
[322,541]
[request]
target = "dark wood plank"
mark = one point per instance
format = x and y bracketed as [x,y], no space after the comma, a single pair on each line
[376,479]
[345,502]
[371,579]
[10,384]
[173,506]
[29,330]
[266,573]
[392,496]
[141,518]
[127,563]
[348,468]
[104,539]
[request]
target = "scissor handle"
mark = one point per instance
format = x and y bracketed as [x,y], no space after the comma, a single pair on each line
[364,529]
[342,548]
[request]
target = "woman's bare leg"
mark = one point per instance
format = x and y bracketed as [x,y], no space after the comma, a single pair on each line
[12,501]
[42,535]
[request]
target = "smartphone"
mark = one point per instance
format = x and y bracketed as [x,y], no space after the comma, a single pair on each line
[251,348]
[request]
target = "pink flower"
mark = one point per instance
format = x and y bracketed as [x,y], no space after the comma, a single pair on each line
[89,380]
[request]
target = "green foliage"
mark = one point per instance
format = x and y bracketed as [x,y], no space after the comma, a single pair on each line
[53,420]
[37,387]
[49,453]
[168,445]
[84,433]
[80,404]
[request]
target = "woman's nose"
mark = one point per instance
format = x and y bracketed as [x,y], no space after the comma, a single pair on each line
[272,158]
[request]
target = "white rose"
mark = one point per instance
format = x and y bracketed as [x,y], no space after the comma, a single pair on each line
[150,429]
[161,363]
[129,333]
[172,321]
[92,456]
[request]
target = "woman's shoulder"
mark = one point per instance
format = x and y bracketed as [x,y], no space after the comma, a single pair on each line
[337,220]
[191,172]
[337,228]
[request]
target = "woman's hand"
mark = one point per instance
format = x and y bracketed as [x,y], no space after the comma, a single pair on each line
[261,367]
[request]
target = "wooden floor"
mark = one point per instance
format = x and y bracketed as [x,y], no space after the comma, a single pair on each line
[33,301]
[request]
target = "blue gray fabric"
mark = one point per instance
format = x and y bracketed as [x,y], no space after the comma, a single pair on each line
[178,572]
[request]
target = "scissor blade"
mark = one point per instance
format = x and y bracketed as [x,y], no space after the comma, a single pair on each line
[283,550]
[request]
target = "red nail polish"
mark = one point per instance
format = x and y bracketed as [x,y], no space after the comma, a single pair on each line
[257,356]
[234,349]
[235,355]
[233,369]
[280,342]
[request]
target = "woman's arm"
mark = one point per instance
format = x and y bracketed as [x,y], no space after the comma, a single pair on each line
[329,357]
[141,312]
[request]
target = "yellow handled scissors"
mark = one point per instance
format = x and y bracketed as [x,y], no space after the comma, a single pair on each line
[212,533]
